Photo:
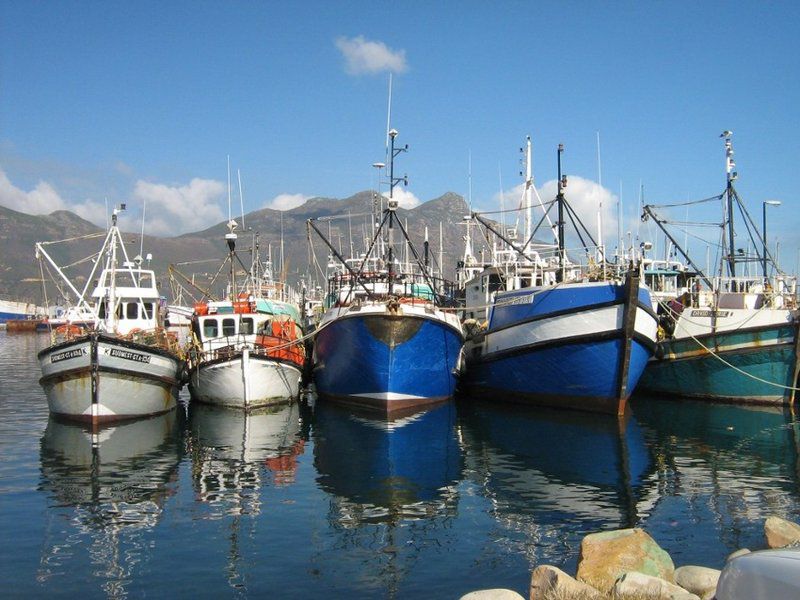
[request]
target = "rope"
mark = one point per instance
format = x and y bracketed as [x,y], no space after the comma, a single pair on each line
[725,362]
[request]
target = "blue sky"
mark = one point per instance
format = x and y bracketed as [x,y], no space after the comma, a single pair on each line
[144,101]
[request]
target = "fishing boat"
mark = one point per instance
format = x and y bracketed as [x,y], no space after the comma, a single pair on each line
[125,365]
[389,339]
[731,337]
[247,350]
[11,310]
[544,330]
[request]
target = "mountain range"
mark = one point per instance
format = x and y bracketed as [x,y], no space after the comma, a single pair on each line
[200,254]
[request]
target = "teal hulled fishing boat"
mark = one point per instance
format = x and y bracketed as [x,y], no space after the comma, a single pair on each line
[729,338]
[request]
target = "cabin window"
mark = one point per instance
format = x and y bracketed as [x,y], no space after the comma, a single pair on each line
[495,283]
[131,310]
[210,329]
[146,280]
[228,327]
[149,309]
[101,310]
[246,326]
[118,311]
[125,279]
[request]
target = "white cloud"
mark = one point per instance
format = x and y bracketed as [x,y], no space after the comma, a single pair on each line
[42,200]
[123,168]
[405,199]
[368,57]
[287,201]
[92,211]
[173,210]
[583,195]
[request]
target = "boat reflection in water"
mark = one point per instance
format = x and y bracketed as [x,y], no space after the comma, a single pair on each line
[723,469]
[233,451]
[393,487]
[554,476]
[386,470]
[236,455]
[110,486]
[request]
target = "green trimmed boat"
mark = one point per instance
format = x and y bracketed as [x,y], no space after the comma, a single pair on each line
[728,338]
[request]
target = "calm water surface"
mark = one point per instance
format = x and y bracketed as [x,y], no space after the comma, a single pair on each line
[315,502]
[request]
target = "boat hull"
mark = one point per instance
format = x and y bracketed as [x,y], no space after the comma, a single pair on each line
[577,346]
[99,378]
[753,365]
[387,362]
[245,380]
[19,311]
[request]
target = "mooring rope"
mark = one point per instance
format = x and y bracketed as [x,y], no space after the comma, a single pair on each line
[725,362]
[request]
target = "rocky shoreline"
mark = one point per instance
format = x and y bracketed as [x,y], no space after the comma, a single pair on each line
[628,564]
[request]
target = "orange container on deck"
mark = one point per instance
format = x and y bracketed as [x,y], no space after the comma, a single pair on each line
[241,306]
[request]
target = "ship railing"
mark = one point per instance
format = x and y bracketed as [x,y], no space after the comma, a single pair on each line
[408,285]
[744,292]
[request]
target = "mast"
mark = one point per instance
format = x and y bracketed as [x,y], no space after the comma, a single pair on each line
[427,248]
[441,251]
[111,305]
[562,181]
[241,197]
[393,181]
[230,238]
[730,175]
[528,191]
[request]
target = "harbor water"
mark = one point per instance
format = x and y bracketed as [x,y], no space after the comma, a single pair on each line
[318,502]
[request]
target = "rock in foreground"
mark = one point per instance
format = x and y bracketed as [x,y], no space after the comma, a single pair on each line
[641,586]
[698,580]
[781,533]
[551,582]
[605,556]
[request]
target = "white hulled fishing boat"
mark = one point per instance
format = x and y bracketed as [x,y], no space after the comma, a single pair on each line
[125,365]
[247,350]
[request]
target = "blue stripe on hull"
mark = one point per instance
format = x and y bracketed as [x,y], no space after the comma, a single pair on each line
[708,377]
[9,316]
[351,362]
[558,299]
[581,376]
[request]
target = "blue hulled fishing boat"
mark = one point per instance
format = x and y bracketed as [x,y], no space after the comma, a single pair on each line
[389,339]
[732,337]
[581,346]
[555,333]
